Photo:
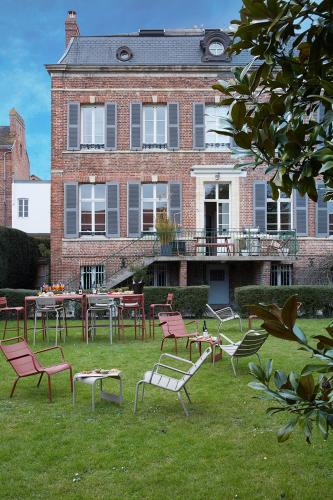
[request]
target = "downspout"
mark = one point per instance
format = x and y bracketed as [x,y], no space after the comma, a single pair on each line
[4,184]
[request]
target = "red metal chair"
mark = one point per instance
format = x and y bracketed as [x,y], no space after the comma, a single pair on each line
[167,305]
[25,363]
[132,306]
[5,309]
[173,327]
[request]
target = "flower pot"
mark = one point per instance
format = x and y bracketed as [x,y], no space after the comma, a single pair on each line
[166,249]
[138,287]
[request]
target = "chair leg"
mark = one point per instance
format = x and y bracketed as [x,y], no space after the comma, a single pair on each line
[182,403]
[13,388]
[71,377]
[176,345]
[136,395]
[233,366]
[187,394]
[49,389]
[5,328]
[143,392]
[35,327]
[40,379]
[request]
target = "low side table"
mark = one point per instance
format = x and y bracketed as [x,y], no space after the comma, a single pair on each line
[212,341]
[92,379]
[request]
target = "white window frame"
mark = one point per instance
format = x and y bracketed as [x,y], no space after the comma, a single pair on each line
[155,108]
[279,201]
[93,201]
[154,200]
[23,208]
[220,230]
[281,275]
[212,122]
[94,144]
[91,276]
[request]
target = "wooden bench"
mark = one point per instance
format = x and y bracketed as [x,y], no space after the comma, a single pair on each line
[229,246]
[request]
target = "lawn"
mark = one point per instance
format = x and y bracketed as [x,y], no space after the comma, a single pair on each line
[226,448]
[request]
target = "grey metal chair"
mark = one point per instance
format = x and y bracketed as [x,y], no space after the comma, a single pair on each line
[157,379]
[223,315]
[98,304]
[44,307]
[248,346]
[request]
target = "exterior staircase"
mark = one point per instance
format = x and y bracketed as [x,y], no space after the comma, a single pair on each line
[126,272]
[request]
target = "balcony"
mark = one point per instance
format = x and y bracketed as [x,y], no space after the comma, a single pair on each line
[233,244]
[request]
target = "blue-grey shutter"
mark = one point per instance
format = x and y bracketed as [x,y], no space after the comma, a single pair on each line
[73,126]
[136,125]
[198,126]
[260,204]
[322,215]
[175,202]
[110,126]
[71,206]
[112,210]
[133,209]
[173,125]
[301,213]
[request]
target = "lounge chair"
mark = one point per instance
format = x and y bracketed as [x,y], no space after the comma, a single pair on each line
[157,379]
[25,363]
[173,327]
[248,346]
[223,315]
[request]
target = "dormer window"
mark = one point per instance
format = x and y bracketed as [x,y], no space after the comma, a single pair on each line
[214,45]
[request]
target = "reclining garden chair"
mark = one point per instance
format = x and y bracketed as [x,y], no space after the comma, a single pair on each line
[223,315]
[25,363]
[248,346]
[157,379]
[173,327]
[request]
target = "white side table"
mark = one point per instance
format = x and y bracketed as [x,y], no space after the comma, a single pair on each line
[92,379]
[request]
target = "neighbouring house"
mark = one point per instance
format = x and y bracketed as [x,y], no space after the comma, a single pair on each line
[133,119]
[31,206]
[14,163]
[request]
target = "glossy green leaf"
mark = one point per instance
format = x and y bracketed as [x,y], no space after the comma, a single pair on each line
[284,433]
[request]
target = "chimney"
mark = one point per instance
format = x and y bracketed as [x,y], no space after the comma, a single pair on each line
[71,27]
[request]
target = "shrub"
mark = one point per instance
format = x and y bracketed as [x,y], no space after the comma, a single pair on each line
[190,301]
[313,297]
[18,259]
[15,297]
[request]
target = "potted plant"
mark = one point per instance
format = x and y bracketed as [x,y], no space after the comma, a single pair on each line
[166,233]
[140,276]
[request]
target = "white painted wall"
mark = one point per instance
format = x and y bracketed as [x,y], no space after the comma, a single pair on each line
[39,195]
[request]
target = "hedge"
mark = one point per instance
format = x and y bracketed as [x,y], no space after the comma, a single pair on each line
[313,297]
[190,301]
[15,297]
[18,259]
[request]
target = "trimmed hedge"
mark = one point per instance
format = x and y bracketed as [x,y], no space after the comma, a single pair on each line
[15,297]
[190,301]
[18,259]
[313,297]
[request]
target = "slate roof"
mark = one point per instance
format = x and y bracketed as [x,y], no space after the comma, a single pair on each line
[173,48]
[5,138]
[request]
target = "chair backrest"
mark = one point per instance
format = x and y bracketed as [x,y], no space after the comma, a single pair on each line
[20,356]
[251,343]
[134,300]
[224,314]
[3,302]
[100,300]
[169,299]
[195,367]
[172,323]
[45,302]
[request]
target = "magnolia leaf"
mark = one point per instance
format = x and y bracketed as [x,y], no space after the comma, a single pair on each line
[238,112]
[289,311]
[258,386]
[306,387]
[323,424]
[324,340]
[316,369]
[280,379]
[299,334]
[243,140]
[284,433]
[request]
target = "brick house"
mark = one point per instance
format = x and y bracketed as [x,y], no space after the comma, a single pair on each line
[14,163]
[131,138]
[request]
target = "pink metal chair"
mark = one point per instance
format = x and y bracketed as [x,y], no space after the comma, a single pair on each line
[5,309]
[173,327]
[25,363]
[167,305]
[132,306]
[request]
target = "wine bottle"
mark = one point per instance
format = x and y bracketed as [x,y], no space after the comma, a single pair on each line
[204,329]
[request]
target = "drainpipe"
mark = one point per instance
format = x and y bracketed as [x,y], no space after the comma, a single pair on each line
[4,184]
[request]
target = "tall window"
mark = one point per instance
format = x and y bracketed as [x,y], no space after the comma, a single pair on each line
[154,202]
[217,207]
[92,127]
[278,212]
[23,207]
[161,275]
[214,116]
[281,274]
[91,276]
[154,127]
[92,208]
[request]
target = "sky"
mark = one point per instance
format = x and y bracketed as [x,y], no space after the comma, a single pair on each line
[33,34]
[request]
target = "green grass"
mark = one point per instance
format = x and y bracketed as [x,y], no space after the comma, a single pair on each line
[226,449]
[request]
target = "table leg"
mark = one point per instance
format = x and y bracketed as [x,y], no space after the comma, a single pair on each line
[93,395]
[25,326]
[74,384]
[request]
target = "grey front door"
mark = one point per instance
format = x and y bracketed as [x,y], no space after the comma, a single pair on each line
[218,281]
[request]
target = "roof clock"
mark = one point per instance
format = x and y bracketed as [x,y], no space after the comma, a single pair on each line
[214,46]
[124,54]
